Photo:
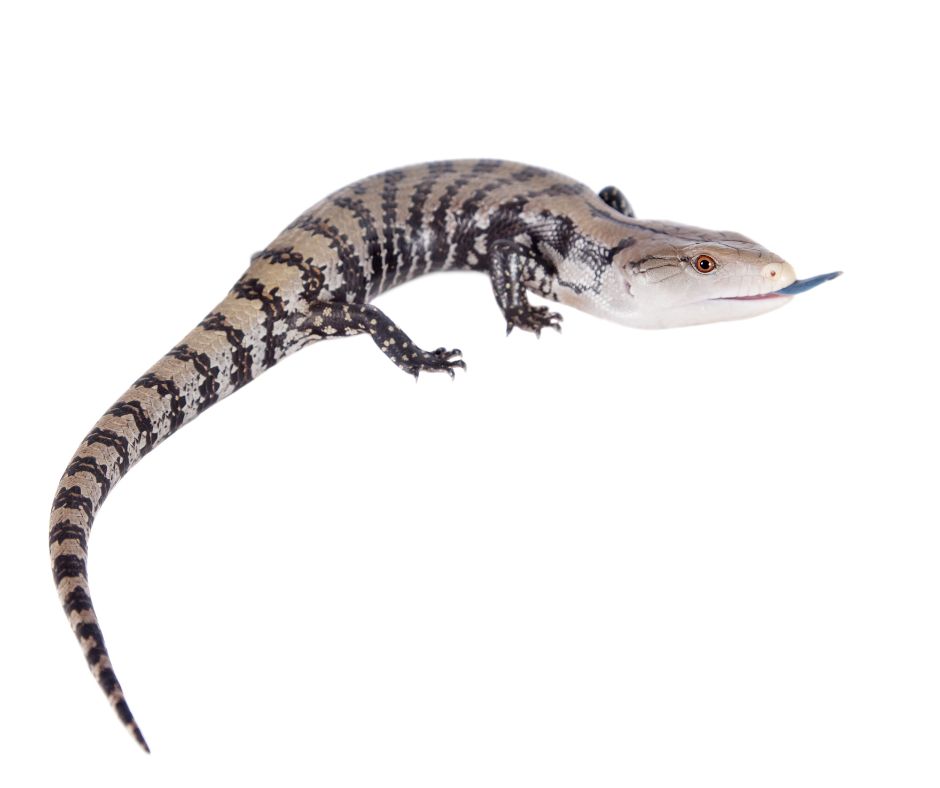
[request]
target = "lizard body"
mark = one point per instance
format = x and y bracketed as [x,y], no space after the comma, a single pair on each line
[528,229]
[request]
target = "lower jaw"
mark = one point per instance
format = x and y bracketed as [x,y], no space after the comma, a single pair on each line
[763,297]
[716,310]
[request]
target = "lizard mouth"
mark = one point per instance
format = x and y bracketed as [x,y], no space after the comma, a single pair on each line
[799,286]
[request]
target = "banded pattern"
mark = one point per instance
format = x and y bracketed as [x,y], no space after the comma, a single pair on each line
[527,228]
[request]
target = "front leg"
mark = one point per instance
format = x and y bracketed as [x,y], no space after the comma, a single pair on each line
[511,266]
[331,319]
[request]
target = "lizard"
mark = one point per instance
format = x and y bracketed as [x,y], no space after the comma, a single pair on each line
[529,229]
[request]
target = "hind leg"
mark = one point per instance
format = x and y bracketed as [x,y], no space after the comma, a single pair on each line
[339,319]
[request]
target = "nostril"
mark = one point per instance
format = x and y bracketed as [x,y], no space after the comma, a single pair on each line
[772,271]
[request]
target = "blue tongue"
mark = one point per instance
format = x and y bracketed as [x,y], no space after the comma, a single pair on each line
[802,285]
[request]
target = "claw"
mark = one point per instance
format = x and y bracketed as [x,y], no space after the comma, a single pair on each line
[440,360]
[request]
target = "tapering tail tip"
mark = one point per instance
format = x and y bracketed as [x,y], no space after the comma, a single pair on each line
[140,740]
[135,732]
[128,719]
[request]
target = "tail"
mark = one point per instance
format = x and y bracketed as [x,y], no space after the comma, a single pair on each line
[247,333]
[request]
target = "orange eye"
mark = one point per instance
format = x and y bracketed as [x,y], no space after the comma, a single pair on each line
[705,264]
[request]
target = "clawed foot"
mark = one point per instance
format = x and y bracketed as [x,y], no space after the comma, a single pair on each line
[440,360]
[533,318]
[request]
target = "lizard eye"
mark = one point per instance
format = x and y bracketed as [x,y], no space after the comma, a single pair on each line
[705,264]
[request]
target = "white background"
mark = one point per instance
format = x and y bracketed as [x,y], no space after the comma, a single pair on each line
[706,556]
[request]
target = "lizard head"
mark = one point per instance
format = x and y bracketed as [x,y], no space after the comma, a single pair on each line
[663,275]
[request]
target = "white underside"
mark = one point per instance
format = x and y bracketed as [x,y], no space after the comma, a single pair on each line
[711,311]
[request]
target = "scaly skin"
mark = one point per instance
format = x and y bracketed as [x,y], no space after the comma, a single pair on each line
[527,228]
